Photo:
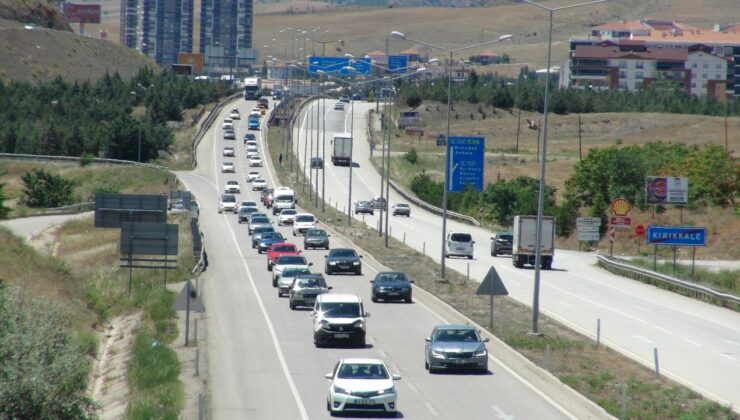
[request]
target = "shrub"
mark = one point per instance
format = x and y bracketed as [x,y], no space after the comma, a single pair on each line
[86,159]
[44,189]
[411,156]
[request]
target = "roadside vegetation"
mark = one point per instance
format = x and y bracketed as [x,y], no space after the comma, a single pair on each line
[74,287]
[597,372]
[723,280]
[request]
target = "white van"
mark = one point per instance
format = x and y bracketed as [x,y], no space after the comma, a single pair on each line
[339,318]
[284,198]
[459,244]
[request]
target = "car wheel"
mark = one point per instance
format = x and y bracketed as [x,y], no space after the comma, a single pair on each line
[426,365]
[408,299]
[294,233]
[269,267]
[470,257]
[327,247]
[358,272]
[274,282]
[327,271]
[493,253]
[361,342]
[374,299]
[280,294]
[259,251]
[292,305]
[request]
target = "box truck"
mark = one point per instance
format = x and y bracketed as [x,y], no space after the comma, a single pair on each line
[525,241]
[342,149]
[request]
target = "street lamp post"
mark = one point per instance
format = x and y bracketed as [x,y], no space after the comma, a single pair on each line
[541,197]
[449,109]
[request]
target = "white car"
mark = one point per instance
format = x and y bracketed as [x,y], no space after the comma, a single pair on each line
[252,175]
[244,204]
[361,385]
[252,153]
[227,202]
[255,161]
[303,222]
[228,167]
[251,146]
[287,261]
[229,151]
[259,184]
[286,217]
[232,187]
[228,124]
[234,115]
[339,106]
[256,112]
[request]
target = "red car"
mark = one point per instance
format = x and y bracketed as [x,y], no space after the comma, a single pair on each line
[278,250]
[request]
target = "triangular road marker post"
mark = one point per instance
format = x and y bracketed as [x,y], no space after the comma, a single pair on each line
[188,300]
[492,286]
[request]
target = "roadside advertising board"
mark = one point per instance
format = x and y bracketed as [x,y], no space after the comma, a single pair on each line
[82,13]
[666,190]
[409,119]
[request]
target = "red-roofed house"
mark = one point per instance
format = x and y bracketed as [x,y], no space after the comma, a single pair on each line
[378,57]
[412,54]
[488,57]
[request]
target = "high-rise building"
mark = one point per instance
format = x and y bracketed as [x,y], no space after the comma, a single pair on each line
[158,28]
[226,35]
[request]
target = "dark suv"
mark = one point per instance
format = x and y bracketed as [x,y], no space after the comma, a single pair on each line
[501,243]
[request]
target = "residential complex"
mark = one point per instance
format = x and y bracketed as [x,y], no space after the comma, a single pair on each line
[633,55]
[158,28]
[226,35]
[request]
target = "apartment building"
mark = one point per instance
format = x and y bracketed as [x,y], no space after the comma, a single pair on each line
[160,29]
[226,35]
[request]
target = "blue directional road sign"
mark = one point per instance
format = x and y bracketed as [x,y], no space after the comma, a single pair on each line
[337,65]
[398,63]
[677,235]
[465,158]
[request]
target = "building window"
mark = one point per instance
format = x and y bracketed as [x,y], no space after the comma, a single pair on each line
[693,85]
[639,65]
[622,64]
[693,65]
[638,75]
[719,77]
[705,65]
[622,85]
[718,66]
[703,75]
[638,85]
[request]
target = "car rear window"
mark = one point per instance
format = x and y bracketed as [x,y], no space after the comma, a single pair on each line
[343,253]
[260,220]
[304,219]
[228,198]
[291,260]
[461,237]
[284,248]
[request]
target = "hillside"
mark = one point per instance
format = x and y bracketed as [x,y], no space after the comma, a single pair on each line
[39,12]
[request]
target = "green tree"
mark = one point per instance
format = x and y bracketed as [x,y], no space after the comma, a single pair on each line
[4,211]
[44,189]
[413,98]
[411,156]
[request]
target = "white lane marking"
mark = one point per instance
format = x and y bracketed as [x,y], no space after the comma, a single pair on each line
[642,308]
[692,342]
[662,329]
[412,387]
[730,358]
[510,371]
[641,338]
[431,409]
[500,413]
[595,303]
[567,305]
[383,353]
[270,327]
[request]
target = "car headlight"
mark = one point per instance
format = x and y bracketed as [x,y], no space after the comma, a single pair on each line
[356,263]
[480,352]
[358,324]
[324,323]
[332,263]
[438,353]
[339,390]
[391,390]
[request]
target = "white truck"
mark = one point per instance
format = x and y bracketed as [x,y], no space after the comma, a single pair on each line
[342,149]
[525,241]
[252,88]
[283,198]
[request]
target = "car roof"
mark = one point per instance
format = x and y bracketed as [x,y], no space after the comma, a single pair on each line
[339,297]
[361,360]
[455,327]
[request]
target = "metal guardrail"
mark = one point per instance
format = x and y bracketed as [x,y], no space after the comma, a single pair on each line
[51,158]
[621,268]
[421,203]
[206,124]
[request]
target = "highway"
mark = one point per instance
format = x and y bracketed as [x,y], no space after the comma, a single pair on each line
[698,343]
[262,363]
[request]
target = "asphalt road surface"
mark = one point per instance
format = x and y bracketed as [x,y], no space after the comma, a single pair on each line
[261,359]
[698,344]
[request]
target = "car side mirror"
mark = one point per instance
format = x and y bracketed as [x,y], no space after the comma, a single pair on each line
[485,340]
[317,222]
[411,281]
[362,256]
[473,242]
[299,251]
[310,264]
[330,288]
[372,281]
[326,256]
[396,377]
[329,376]
[428,340]
[328,236]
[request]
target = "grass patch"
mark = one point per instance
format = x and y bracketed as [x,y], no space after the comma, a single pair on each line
[723,280]
[595,371]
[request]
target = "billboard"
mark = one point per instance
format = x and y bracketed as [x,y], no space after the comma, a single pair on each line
[82,13]
[409,119]
[666,190]
[194,60]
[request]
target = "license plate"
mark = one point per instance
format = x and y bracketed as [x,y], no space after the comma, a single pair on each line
[344,267]
[363,401]
[459,361]
[342,335]
[393,294]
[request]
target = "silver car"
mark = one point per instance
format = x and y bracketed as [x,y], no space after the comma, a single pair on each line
[257,221]
[305,288]
[285,281]
[455,347]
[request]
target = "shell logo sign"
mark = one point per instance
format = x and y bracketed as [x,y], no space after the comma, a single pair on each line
[620,207]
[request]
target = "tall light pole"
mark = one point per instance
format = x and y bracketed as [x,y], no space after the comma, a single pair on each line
[141,120]
[541,197]
[449,109]
[351,143]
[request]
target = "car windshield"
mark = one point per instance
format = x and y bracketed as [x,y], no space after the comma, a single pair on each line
[311,282]
[292,272]
[316,232]
[284,198]
[249,204]
[260,220]
[390,277]
[456,335]
[509,238]
[304,219]
[291,260]
[362,371]
[271,236]
[461,237]
[232,183]
[284,248]
[343,253]
[264,229]
[341,309]
[228,199]
[287,212]
[247,210]
[402,205]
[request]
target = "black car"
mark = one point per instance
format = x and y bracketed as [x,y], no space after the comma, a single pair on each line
[316,238]
[317,162]
[343,260]
[244,214]
[249,137]
[364,207]
[501,243]
[391,285]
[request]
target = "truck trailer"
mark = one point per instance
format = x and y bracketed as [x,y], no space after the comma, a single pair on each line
[342,150]
[252,88]
[524,243]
